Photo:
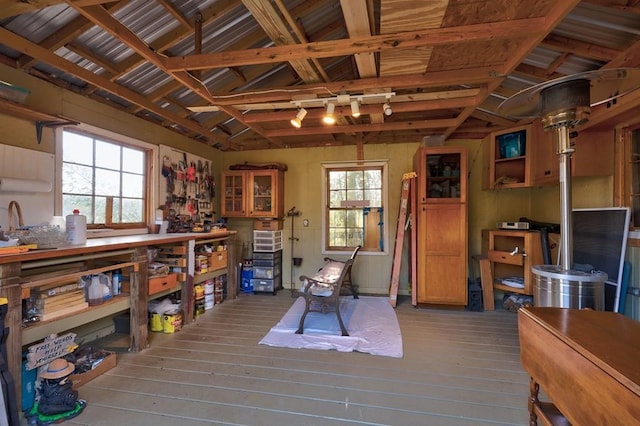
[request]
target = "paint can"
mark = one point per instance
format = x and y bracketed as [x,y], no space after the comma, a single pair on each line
[156,322]
[199,306]
[172,321]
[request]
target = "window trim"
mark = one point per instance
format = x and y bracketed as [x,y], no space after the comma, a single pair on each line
[152,180]
[324,168]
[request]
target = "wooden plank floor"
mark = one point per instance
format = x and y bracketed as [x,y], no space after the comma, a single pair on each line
[459,368]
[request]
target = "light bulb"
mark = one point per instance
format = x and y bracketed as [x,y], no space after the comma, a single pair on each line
[329,118]
[386,108]
[355,109]
[297,120]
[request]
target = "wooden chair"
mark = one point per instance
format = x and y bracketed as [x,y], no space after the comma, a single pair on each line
[322,291]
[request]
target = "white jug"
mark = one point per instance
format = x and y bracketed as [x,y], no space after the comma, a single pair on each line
[99,289]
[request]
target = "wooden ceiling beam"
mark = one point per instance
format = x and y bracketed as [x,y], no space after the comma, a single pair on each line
[356,19]
[101,17]
[351,46]
[65,35]
[454,78]
[273,25]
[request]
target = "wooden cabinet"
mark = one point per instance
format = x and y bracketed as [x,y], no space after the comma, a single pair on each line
[253,193]
[594,153]
[512,254]
[546,167]
[538,162]
[508,158]
[442,225]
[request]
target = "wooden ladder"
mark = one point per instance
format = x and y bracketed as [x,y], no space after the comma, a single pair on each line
[408,193]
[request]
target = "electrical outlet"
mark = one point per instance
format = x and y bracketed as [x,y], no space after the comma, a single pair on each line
[305,223]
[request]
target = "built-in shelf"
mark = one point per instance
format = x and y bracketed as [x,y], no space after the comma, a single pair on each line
[41,330]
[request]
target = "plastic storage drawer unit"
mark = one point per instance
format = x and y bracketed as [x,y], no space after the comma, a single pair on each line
[267,259]
[267,241]
[264,285]
[268,272]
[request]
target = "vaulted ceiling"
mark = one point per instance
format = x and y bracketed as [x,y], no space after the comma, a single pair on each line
[443,65]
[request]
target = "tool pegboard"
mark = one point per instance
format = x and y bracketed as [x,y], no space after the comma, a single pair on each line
[187,185]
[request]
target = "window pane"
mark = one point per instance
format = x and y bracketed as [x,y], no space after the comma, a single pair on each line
[107,155]
[337,237]
[107,182]
[355,237]
[374,197]
[337,180]
[354,218]
[337,218]
[77,148]
[82,203]
[336,198]
[132,185]
[101,206]
[132,161]
[131,210]
[77,179]
[116,214]
[354,194]
[354,180]
[373,179]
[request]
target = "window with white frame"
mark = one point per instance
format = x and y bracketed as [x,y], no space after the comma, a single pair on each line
[355,198]
[105,179]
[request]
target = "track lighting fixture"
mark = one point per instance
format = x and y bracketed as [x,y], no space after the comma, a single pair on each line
[386,109]
[355,109]
[343,100]
[297,120]
[329,117]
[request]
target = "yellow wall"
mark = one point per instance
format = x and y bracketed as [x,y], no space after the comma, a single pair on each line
[303,180]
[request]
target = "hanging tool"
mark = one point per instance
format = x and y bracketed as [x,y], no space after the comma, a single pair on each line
[407,183]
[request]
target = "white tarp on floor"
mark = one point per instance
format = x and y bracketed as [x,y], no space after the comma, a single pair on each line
[371,322]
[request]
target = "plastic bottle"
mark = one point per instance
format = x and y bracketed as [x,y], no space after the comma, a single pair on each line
[76,228]
[116,281]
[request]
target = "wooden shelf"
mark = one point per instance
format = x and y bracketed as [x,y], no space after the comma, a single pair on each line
[501,244]
[41,119]
[43,329]
[200,278]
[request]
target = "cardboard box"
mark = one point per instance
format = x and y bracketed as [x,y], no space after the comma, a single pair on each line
[158,284]
[267,225]
[218,260]
[105,365]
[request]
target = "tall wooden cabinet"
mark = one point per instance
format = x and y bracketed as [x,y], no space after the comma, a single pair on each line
[442,225]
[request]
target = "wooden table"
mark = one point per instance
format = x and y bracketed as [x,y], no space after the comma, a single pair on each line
[587,362]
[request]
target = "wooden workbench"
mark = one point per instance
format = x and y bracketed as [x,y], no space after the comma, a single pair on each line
[585,361]
[124,251]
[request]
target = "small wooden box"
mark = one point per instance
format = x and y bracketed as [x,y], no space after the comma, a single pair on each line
[158,284]
[267,225]
[218,260]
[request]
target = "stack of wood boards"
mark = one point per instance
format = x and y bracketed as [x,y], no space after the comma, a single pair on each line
[53,301]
